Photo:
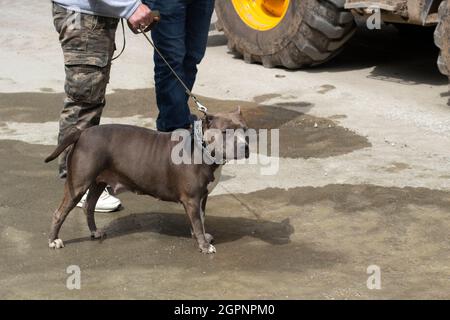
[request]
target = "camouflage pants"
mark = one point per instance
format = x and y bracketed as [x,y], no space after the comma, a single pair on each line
[88,45]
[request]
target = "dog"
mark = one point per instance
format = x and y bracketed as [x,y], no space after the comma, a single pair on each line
[136,159]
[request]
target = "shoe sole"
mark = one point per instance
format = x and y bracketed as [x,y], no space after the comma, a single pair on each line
[104,210]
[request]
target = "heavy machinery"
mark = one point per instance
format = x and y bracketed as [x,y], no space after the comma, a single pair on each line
[300,33]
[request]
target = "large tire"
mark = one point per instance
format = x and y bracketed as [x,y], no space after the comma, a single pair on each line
[311,33]
[441,38]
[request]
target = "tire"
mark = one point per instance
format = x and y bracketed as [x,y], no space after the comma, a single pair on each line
[441,42]
[311,32]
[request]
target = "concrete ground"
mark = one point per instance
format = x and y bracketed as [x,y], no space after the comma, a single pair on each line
[364,177]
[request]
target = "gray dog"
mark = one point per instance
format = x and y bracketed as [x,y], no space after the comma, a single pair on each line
[139,160]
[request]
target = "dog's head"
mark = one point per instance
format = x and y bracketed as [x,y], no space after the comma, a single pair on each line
[227,135]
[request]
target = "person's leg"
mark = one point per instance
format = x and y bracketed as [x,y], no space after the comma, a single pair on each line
[198,20]
[77,113]
[87,42]
[169,37]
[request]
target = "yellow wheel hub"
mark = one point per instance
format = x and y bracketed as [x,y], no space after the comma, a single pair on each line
[261,14]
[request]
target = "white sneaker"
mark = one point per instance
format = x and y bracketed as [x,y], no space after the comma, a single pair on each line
[106,202]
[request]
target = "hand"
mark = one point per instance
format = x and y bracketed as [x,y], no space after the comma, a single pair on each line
[142,19]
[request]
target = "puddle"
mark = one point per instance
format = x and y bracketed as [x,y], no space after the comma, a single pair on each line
[266,97]
[47,90]
[325,88]
[322,237]
[346,198]
[33,117]
[46,133]
[305,136]
[397,167]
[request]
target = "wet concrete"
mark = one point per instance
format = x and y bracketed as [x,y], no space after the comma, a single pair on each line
[363,177]
[301,135]
[298,243]
[303,242]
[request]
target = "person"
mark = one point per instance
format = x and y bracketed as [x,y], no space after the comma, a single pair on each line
[181,35]
[87,35]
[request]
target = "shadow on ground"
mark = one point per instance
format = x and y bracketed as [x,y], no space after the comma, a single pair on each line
[224,229]
[308,242]
[395,56]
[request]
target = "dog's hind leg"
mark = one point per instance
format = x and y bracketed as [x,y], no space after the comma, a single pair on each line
[68,203]
[95,190]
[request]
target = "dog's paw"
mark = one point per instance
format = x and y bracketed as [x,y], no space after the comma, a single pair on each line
[56,244]
[209,238]
[208,249]
[99,234]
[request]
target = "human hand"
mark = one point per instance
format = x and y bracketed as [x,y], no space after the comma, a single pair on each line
[142,19]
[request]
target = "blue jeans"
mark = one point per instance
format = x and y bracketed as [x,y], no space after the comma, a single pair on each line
[181,36]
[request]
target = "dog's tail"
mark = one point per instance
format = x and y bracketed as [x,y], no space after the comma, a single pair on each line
[68,140]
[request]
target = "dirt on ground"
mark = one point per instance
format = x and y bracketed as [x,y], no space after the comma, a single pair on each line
[302,242]
[301,135]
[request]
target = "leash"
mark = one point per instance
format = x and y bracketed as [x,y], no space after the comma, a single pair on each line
[197,127]
[156,13]
[124,42]
[200,107]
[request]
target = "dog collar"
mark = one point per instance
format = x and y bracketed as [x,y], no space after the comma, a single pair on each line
[198,139]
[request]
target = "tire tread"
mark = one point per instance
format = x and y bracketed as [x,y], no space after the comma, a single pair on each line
[322,34]
[439,33]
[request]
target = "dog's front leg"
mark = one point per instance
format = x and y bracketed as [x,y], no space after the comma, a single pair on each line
[193,210]
[209,238]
